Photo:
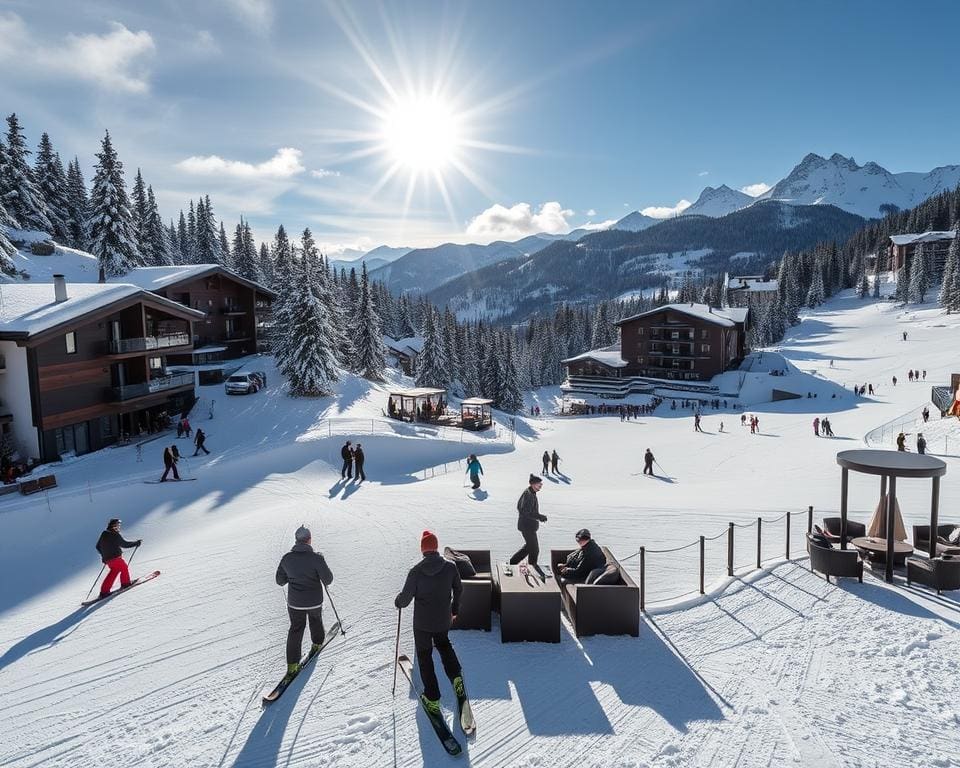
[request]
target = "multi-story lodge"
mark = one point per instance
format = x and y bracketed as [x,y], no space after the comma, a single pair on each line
[84,364]
[935,244]
[742,290]
[692,342]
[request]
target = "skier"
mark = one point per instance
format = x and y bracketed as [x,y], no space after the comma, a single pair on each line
[305,573]
[921,443]
[827,427]
[721,426]
[187,429]
[546,462]
[901,442]
[179,429]
[474,470]
[904,335]
[743,419]
[555,462]
[648,462]
[358,459]
[894,381]
[435,587]
[870,388]
[924,375]
[346,453]
[170,456]
[582,561]
[198,441]
[910,376]
[816,426]
[110,545]
[926,414]
[696,423]
[528,521]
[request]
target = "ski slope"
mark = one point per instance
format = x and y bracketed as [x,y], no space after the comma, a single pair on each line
[775,668]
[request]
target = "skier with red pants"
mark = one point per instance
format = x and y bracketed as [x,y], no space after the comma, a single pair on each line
[110,545]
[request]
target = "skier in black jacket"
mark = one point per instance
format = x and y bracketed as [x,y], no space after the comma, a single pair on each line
[648,462]
[435,587]
[346,453]
[358,459]
[110,545]
[305,573]
[528,522]
[582,561]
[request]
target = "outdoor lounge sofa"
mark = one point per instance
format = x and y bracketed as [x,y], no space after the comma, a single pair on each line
[600,609]
[831,528]
[476,602]
[938,572]
[834,562]
[921,539]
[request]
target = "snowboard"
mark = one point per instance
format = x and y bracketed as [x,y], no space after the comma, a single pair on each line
[439,724]
[284,683]
[131,585]
[181,480]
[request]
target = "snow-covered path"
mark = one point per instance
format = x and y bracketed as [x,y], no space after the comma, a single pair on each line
[777,669]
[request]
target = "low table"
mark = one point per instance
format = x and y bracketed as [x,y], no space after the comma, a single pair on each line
[876,549]
[529,605]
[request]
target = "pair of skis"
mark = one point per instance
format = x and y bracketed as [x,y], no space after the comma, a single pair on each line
[131,585]
[277,692]
[465,713]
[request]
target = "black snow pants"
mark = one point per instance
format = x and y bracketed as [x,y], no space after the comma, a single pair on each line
[424,643]
[529,550]
[298,622]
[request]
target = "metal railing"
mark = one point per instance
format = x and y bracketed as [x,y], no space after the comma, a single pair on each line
[148,343]
[159,384]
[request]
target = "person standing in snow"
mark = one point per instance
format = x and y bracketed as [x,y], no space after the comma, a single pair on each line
[346,453]
[434,587]
[648,462]
[546,462]
[904,335]
[816,426]
[555,462]
[305,574]
[901,442]
[187,429]
[696,423]
[894,381]
[110,545]
[170,456]
[528,522]
[926,414]
[474,470]
[358,459]
[921,443]
[198,441]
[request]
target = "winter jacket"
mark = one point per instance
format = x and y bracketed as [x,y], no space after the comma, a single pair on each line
[304,572]
[528,507]
[200,437]
[584,560]
[435,587]
[111,544]
[358,456]
[345,453]
[474,468]
[921,445]
[648,459]
[168,458]
[546,458]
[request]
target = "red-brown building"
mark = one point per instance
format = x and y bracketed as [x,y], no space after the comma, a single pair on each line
[690,342]
[935,244]
[86,363]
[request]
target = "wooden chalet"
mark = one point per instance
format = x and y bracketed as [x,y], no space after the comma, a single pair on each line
[935,244]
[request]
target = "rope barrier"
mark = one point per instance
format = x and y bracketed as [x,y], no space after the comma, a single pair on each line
[675,549]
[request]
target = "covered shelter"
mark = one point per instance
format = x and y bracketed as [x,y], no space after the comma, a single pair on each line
[475,413]
[890,465]
[417,404]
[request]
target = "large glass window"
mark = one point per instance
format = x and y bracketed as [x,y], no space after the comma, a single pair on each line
[71,342]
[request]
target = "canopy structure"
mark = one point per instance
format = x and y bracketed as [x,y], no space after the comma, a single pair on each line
[419,404]
[475,413]
[890,465]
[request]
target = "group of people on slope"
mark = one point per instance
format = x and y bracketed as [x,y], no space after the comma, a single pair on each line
[353,458]
[551,462]
[921,443]
[171,455]
[822,426]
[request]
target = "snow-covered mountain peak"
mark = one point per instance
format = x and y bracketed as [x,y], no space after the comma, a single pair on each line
[719,201]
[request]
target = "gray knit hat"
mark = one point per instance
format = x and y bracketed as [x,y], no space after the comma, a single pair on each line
[302,534]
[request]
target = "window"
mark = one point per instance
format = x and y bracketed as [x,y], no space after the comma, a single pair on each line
[156,364]
[704,333]
[106,426]
[674,334]
[639,331]
[704,347]
[71,342]
[675,349]
[676,363]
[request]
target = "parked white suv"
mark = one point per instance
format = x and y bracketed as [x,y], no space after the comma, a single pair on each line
[245,383]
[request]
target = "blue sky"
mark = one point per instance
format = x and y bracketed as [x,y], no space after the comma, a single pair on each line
[551,114]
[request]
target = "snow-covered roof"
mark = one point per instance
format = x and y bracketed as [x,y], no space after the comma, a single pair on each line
[476,401]
[30,308]
[750,283]
[157,278]
[726,317]
[411,345]
[609,356]
[417,392]
[922,237]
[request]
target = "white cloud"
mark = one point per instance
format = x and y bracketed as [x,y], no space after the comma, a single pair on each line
[256,14]
[591,212]
[117,59]
[666,211]
[704,173]
[322,173]
[284,164]
[499,222]
[755,190]
[594,226]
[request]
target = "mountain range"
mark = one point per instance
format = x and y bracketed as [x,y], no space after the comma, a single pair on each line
[374,259]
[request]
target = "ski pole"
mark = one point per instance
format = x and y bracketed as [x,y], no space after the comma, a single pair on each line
[661,468]
[396,652]
[95,582]
[134,554]
[337,615]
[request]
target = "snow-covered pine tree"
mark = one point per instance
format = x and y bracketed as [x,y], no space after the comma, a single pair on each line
[52,183]
[368,340]
[815,295]
[449,324]
[431,370]
[282,257]
[19,192]
[181,256]
[511,398]
[158,252]
[190,252]
[264,264]
[919,275]
[950,288]
[863,283]
[7,249]
[207,249]
[77,207]
[226,257]
[111,225]
[140,214]
[309,362]
[249,269]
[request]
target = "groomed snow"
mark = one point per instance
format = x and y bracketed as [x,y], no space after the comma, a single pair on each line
[776,668]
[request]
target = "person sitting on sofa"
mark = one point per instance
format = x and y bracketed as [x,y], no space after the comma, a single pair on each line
[583,560]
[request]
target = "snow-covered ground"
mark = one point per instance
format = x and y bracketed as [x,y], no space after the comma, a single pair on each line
[774,668]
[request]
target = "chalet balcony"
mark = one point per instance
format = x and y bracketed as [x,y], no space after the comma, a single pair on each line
[236,336]
[159,384]
[233,310]
[148,343]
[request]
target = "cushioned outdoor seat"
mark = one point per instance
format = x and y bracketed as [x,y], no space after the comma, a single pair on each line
[831,527]
[600,609]
[476,602]
[921,539]
[834,562]
[939,573]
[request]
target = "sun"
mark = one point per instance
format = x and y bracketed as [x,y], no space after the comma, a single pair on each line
[422,134]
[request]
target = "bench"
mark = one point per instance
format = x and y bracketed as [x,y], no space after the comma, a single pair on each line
[600,609]
[834,562]
[476,601]
[28,487]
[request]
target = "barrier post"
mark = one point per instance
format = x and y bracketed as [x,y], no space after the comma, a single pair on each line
[788,534]
[759,525]
[701,563]
[730,550]
[810,519]
[643,579]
